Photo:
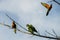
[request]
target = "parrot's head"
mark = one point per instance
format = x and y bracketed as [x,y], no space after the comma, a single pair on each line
[13,22]
[27,25]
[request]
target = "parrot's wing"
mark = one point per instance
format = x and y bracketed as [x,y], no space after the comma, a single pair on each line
[49,10]
[45,5]
[33,28]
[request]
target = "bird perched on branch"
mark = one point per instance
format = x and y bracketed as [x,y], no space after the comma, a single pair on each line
[14,26]
[31,28]
[49,7]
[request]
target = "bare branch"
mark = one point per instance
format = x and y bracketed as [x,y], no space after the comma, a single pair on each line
[11,28]
[56,2]
[54,33]
[16,22]
[32,34]
[49,33]
[5,25]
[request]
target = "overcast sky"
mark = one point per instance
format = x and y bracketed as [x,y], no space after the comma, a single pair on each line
[28,12]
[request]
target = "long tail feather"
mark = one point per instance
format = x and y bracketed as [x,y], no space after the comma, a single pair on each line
[15,31]
[49,10]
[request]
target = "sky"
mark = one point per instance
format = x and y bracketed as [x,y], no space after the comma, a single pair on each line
[28,12]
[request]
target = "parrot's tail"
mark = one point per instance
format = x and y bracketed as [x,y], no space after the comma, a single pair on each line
[15,31]
[49,10]
[47,13]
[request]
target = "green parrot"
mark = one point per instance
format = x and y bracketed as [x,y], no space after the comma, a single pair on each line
[14,26]
[31,28]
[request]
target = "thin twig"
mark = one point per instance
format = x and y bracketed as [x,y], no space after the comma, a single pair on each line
[5,25]
[56,2]
[16,22]
[11,28]
[54,32]
[45,36]
[49,33]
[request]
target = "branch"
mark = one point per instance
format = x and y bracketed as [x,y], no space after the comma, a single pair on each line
[5,25]
[11,28]
[49,33]
[16,22]
[31,34]
[56,2]
[54,32]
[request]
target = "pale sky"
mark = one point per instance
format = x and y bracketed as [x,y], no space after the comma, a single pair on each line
[28,12]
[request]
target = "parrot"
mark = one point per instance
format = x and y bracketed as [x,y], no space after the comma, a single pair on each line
[14,26]
[31,28]
[49,7]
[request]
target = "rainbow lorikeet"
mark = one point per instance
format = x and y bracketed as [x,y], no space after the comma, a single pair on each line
[31,28]
[49,7]
[14,26]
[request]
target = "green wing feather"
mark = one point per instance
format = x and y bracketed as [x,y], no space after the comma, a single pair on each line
[31,29]
[14,30]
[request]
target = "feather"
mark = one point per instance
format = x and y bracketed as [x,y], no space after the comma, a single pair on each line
[15,30]
[45,5]
[49,10]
